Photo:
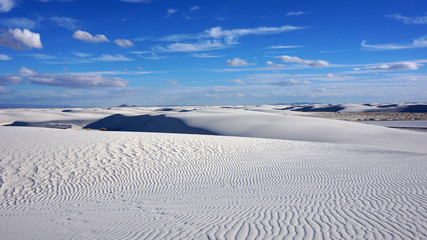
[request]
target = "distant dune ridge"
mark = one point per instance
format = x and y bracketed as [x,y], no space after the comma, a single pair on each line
[237,172]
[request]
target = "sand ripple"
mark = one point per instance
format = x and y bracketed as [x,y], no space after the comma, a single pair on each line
[121,185]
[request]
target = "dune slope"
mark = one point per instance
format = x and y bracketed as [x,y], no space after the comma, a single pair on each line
[68,184]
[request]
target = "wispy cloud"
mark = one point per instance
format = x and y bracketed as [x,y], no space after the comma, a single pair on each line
[194,8]
[409,20]
[9,79]
[4,57]
[206,45]
[7,5]
[170,12]
[20,23]
[397,66]
[65,22]
[215,38]
[40,56]
[148,55]
[238,81]
[417,43]
[231,35]
[298,13]
[285,46]
[237,62]
[111,58]
[124,43]
[66,80]
[20,39]
[272,65]
[205,55]
[290,82]
[80,54]
[87,37]
[311,63]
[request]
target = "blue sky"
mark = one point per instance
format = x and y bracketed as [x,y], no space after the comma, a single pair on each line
[193,52]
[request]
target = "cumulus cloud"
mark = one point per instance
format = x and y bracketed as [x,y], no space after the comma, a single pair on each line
[6,5]
[409,20]
[111,58]
[20,39]
[124,43]
[237,62]
[26,71]
[417,43]
[397,66]
[65,22]
[311,63]
[28,38]
[76,80]
[4,57]
[87,37]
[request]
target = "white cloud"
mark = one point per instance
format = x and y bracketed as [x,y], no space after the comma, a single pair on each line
[172,81]
[205,55]
[237,62]
[87,37]
[311,63]
[417,43]
[26,71]
[238,81]
[284,47]
[20,23]
[409,20]
[111,58]
[289,82]
[40,56]
[194,8]
[80,80]
[270,64]
[192,47]
[9,79]
[30,39]
[124,43]
[147,55]
[216,38]
[397,66]
[6,5]
[296,13]
[4,57]
[68,23]
[171,11]
[20,39]
[80,54]
[231,36]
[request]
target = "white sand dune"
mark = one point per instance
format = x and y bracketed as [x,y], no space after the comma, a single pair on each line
[339,180]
